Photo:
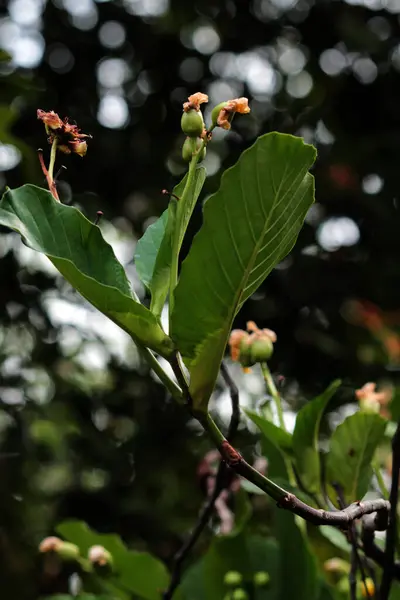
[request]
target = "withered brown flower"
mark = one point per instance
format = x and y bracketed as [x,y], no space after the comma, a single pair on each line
[237,105]
[194,101]
[69,137]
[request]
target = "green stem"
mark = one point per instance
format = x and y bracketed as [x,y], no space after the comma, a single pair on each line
[244,469]
[53,154]
[169,383]
[178,235]
[278,403]
[274,393]
[381,483]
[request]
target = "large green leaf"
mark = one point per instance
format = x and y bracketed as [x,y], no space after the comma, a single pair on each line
[274,446]
[246,554]
[352,448]
[136,572]
[77,249]
[280,437]
[298,575]
[305,439]
[154,249]
[249,225]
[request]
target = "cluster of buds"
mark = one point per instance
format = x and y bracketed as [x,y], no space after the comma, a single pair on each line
[192,122]
[68,137]
[252,346]
[98,556]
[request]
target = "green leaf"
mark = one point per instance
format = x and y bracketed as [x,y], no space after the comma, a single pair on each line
[154,249]
[272,444]
[77,249]
[249,226]
[336,537]
[281,438]
[352,448]
[298,575]
[305,439]
[137,572]
[243,553]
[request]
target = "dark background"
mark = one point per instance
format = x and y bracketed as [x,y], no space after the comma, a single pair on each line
[85,431]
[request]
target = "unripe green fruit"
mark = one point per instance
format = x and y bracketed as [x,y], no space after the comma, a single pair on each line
[192,123]
[261,579]
[240,594]
[261,349]
[215,112]
[67,551]
[245,357]
[190,146]
[233,578]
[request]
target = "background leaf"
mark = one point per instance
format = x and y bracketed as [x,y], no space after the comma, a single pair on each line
[246,554]
[78,250]
[298,576]
[153,250]
[137,572]
[305,439]
[281,438]
[352,448]
[249,225]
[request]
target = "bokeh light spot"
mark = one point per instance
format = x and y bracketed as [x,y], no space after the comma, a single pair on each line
[112,34]
[372,184]
[113,111]
[337,232]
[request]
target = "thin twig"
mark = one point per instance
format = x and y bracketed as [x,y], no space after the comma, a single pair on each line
[371,549]
[391,534]
[221,481]
[355,560]
[287,500]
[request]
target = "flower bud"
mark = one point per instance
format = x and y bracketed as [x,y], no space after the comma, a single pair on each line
[261,579]
[240,594]
[190,146]
[65,550]
[233,578]
[192,123]
[100,557]
[367,590]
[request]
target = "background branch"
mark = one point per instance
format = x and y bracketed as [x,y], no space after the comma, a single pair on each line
[222,480]
[391,535]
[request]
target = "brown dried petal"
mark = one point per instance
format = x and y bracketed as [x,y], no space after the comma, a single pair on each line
[51,119]
[78,147]
[194,101]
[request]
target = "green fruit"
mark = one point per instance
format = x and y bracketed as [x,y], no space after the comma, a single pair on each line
[190,146]
[261,579]
[261,349]
[215,112]
[192,123]
[245,357]
[67,551]
[240,594]
[233,578]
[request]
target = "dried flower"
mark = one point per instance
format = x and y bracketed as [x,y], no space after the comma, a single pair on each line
[373,401]
[223,113]
[68,136]
[50,119]
[194,101]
